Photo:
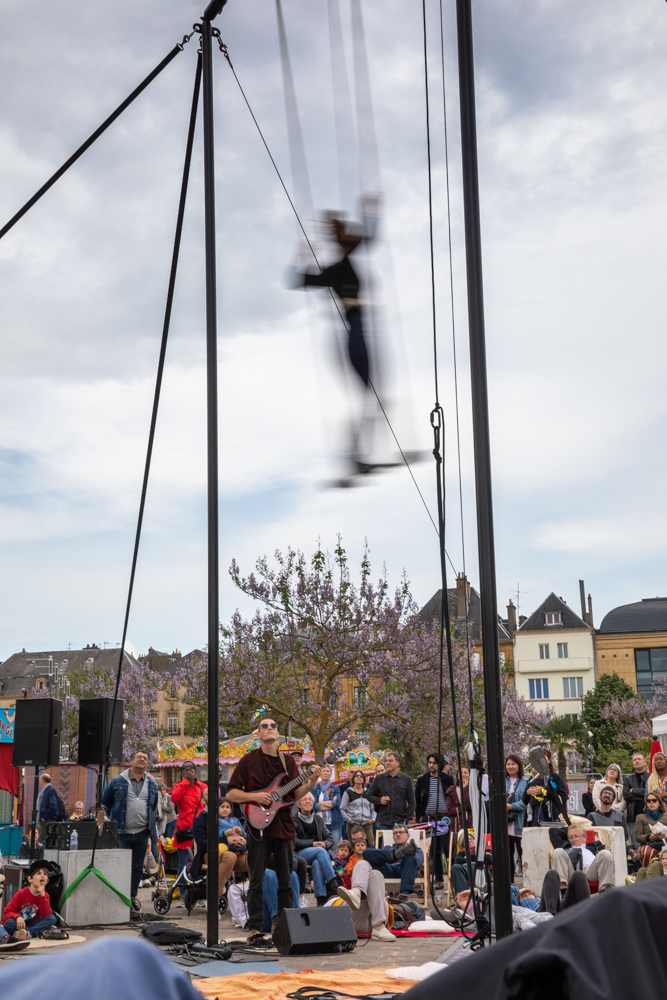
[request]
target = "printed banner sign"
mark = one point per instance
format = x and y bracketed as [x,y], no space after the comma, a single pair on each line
[7,724]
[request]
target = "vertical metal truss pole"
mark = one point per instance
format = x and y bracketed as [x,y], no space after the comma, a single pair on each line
[480,411]
[212,452]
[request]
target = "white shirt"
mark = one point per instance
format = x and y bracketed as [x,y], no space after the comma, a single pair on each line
[587,857]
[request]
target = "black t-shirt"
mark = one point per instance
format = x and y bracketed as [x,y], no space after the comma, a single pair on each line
[254,772]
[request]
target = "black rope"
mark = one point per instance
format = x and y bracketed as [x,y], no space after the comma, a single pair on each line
[96,134]
[438,424]
[223,49]
[454,357]
[158,385]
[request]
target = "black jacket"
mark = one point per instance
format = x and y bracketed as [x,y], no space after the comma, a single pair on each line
[555,801]
[422,792]
[634,793]
[401,806]
[323,833]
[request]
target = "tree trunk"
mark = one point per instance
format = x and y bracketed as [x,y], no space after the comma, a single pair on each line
[409,761]
[562,764]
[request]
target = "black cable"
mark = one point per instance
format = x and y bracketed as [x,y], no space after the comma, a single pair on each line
[96,134]
[223,49]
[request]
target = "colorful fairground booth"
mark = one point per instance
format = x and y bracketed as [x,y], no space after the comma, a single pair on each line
[172,755]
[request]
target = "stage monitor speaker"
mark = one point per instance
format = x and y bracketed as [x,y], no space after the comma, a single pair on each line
[94,722]
[37,732]
[313,931]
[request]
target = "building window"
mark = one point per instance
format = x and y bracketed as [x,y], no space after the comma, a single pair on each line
[362,737]
[544,650]
[562,651]
[40,685]
[573,687]
[649,664]
[539,688]
[304,696]
[172,722]
[552,618]
[152,722]
[360,695]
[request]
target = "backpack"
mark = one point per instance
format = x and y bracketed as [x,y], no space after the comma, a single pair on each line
[169,934]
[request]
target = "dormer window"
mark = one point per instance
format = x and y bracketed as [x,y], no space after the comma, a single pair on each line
[552,618]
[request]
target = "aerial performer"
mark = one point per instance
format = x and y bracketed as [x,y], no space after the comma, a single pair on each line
[344,281]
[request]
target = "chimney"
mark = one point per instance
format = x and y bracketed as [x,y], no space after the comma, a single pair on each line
[511,616]
[462,595]
[582,595]
[590,612]
[522,619]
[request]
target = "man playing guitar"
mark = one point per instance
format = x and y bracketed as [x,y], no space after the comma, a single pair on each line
[253,773]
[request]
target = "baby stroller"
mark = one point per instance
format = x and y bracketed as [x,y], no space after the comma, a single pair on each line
[167,886]
[167,866]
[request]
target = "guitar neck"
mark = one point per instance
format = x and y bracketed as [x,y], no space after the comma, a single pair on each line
[300,779]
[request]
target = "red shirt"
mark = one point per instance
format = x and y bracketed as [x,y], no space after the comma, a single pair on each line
[26,904]
[190,803]
[254,772]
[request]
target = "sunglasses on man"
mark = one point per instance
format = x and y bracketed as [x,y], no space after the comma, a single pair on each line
[268,725]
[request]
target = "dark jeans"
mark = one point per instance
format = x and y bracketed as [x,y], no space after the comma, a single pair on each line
[577,891]
[439,846]
[515,842]
[137,843]
[406,869]
[33,926]
[459,878]
[259,850]
[301,869]
[169,828]
[270,893]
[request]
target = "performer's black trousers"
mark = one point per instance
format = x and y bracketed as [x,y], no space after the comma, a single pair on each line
[259,849]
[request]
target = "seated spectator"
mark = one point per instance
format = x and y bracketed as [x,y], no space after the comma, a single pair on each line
[613,779]
[356,808]
[455,795]
[28,913]
[227,821]
[359,845]
[607,815]
[270,893]
[78,811]
[596,867]
[366,899]
[24,846]
[313,842]
[232,850]
[654,812]
[656,869]
[403,860]
[459,872]
[341,857]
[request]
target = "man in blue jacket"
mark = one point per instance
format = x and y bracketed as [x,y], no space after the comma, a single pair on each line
[49,806]
[403,860]
[131,800]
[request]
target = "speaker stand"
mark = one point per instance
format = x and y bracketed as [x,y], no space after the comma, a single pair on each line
[34,816]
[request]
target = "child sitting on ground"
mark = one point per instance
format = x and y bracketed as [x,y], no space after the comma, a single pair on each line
[28,913]
[342,856]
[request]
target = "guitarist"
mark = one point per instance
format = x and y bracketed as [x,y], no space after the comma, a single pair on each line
[253,773]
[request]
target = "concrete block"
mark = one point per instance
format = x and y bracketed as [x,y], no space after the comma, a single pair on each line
[92,902]
[537,851]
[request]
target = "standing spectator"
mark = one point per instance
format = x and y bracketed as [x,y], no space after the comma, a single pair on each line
[380,769]
[131,800]
[297,757]
[446,766]
[188,795]
[431,806]
[48,809]
[657,781]
[456,795]
[614,779]
[356,807]
[327,798]
[392,794]
[634,790]
[587,803]
[547,797]
[515,786]
[166,813]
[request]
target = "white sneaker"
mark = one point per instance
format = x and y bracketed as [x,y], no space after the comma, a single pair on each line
[350,897]
[303,902]
[382,934]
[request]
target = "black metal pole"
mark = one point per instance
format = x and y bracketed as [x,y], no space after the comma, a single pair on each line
[33,832]
[480,412]
[212,423]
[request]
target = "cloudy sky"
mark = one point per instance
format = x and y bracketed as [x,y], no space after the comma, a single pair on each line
[572,118]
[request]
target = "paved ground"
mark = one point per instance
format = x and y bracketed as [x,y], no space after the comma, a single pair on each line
[367,954]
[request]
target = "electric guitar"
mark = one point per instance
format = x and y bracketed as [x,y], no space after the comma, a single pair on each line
[262,816]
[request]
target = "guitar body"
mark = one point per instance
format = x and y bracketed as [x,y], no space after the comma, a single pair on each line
[262,816]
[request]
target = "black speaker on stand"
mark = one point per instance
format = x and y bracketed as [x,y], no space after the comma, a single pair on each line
[37,735]
[94,725]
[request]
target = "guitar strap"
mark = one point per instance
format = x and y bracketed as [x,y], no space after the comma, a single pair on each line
[282,760]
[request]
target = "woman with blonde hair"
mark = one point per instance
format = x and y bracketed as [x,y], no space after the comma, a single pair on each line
[614,779]
[657,779]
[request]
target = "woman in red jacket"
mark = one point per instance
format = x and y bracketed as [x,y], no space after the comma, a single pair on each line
[453,798]
[188,795]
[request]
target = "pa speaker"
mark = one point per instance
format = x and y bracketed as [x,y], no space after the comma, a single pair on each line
[37,732]
[314,931]
[94,724]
